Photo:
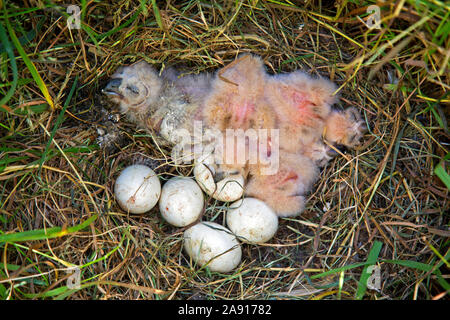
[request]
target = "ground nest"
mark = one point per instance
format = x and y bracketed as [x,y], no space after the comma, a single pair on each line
[382,207]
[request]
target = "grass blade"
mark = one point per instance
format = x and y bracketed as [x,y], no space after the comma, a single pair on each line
[337,270]
[42,234]
[426,268]
[58,122]
[371,260]
[12,59]
[441,171]
[30,65]
[157,15]
[117,29]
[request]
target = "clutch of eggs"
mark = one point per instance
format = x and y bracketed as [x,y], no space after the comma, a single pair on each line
[181,203]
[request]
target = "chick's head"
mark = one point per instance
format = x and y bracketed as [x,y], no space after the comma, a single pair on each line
[134,87]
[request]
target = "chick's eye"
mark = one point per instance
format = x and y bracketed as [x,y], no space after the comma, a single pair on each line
[133,89]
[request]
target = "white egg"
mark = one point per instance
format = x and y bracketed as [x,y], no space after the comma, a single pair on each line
[228,189]
[137,189]
[252,220]
[181,201]
[212,244]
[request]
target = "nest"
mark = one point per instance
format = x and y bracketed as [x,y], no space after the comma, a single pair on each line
[381,205]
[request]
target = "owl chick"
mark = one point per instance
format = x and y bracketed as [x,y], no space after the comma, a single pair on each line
[166,104]
[236,102]
[303,106]
[236,99]
[284,191]
[305,118]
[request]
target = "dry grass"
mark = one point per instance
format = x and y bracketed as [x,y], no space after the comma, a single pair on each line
[382,203]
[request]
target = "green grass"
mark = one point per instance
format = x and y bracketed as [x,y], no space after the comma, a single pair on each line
[386,203]
[43,234]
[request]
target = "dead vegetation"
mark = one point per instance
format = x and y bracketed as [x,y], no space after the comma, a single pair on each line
[62,146]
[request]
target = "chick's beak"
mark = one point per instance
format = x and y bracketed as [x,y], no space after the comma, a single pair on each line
[112,88]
